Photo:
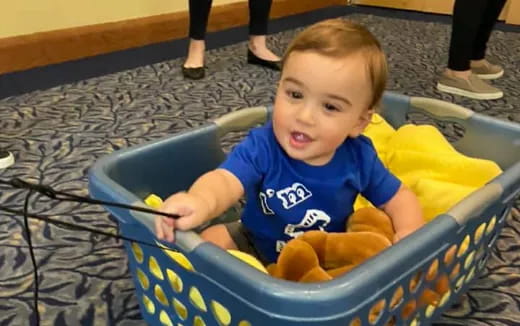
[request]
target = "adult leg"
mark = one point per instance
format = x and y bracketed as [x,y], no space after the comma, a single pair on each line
[466,21]
[479,65]
[199,14]
[258,23]
[458,79]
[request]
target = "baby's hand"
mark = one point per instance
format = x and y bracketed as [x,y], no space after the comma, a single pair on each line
[192,209]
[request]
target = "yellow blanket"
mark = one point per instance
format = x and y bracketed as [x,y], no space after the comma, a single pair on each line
[428,164]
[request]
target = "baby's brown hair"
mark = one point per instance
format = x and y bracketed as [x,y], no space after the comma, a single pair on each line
[340,38]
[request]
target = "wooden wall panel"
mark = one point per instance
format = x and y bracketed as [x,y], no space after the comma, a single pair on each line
[45,48]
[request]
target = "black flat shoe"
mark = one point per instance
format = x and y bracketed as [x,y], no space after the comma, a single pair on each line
[254,60]
[193,73]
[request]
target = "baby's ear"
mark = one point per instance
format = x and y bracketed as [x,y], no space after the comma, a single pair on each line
[363,121]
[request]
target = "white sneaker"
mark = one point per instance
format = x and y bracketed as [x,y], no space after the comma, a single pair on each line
[6,159]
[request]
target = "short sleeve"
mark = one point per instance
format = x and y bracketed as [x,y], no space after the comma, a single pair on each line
[380,185]
[248,160]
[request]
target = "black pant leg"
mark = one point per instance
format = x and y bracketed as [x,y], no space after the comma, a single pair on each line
[199,14]
[493,10]
[259,16]
[466,21]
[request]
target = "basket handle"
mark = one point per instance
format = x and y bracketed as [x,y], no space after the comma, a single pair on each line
[241,119]
[478,201]
[186,240]
[440,109]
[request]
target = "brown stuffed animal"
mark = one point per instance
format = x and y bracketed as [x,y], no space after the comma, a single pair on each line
[322,256]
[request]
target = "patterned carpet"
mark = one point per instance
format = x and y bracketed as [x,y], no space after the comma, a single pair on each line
[57,134]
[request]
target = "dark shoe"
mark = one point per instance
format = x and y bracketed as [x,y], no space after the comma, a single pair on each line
[193,73]
[6,159]
[254,60]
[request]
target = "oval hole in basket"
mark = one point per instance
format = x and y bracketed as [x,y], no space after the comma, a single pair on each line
[391,321]
[138,252]
[143,279]
[432,270]
[355,322]
[464,246]
[175,280]
[480,253]
[148,305]
[155,269]
[470,275]
[196,299]
[459,283]
[492,241]
[165,319]
[416,320]
[445,298]
[479,232]
[397,298]
[221,313]
[469,260]
[491,225]
[180,309]
[450,255]
[408,309]
[198,321]
[180,259]
[430,310]
[455,271]
[415,282]
[483,260]
[376,311]
[159,295]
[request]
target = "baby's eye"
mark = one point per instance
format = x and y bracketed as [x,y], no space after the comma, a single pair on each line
[330,107]
[295,94]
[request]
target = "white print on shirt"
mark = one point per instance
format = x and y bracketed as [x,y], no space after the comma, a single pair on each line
[263,201]
[312,217]
[293,195]
[279,245]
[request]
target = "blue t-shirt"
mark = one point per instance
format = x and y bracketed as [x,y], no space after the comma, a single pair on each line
[287,197]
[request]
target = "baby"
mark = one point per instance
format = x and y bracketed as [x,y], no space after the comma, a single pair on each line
[303,170]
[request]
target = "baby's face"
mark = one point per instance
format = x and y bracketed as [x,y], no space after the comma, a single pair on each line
[320,101]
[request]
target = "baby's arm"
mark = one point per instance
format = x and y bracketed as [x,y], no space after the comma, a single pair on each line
[210,196]
[405,211]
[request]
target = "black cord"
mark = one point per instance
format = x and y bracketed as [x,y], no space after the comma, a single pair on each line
[63,196]
[80,227]
[31,253]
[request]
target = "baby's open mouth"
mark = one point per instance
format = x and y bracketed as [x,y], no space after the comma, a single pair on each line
[299,139]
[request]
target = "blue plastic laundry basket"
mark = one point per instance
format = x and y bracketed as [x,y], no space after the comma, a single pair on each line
[198,284]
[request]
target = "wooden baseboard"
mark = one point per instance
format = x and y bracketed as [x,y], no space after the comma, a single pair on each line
[429,6]
[40,49]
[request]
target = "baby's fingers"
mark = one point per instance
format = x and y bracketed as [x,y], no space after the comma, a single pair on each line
[158,228]
[164,230]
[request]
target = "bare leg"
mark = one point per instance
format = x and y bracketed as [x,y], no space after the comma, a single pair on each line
[199,14]
[219,236]
[195,56]
[257,44]
[258,21]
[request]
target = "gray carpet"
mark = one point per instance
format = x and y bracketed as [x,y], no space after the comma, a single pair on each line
[57,134]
